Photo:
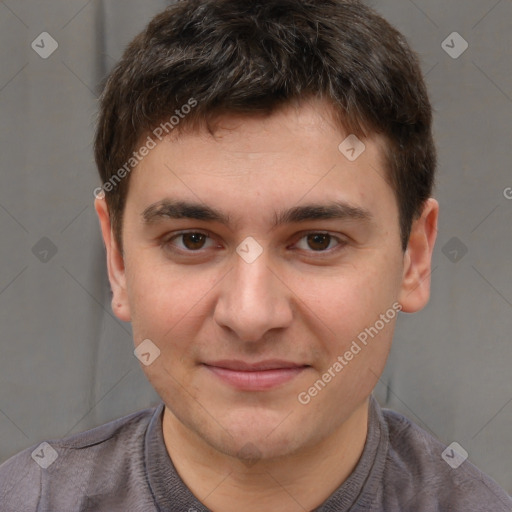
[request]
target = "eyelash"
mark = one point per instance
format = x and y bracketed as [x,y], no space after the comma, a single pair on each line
[167,242]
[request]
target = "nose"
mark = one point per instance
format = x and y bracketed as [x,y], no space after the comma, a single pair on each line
[253,300]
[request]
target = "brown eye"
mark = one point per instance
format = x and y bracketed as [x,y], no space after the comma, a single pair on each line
[319,241]
[189,243]
[193,241]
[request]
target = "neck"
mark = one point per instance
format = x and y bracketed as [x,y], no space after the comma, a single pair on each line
[297,482]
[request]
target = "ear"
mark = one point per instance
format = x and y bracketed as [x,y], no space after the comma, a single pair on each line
[415,289]
[115,263]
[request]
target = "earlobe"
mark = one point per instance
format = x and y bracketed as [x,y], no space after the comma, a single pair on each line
[415,289]
[115,263]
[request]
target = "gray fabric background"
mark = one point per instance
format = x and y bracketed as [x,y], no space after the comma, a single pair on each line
[67,363]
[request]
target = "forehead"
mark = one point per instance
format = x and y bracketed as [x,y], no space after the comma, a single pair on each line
[298,154]
[307,120]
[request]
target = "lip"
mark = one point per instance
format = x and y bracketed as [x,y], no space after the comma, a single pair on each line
[259,376]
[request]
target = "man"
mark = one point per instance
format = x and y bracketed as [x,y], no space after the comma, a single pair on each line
[267,171]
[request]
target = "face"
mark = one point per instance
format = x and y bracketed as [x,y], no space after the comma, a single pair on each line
[256,259]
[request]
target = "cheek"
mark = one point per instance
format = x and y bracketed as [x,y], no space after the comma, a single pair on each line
[165,301]
[348,300]
[344,311]
[353,341]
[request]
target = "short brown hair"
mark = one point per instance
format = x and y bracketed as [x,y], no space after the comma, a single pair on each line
[234,56]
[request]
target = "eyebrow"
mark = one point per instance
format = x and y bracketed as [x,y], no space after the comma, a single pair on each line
[170,209]
[334,210]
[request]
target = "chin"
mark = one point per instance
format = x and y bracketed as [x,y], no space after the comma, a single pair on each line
[251,438]
[251,449]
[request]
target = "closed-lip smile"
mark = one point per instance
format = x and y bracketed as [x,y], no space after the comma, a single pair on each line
[257,376]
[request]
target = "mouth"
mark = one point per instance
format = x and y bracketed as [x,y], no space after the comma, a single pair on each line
[255,376]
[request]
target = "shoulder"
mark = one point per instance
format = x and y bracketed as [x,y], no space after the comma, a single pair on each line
[62,470]
[431,476]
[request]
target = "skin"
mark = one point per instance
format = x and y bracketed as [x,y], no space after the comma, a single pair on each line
[265,449]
